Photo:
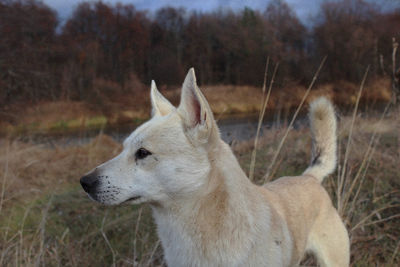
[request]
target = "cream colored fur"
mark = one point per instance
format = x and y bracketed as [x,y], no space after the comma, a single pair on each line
[323,130]
[207,211]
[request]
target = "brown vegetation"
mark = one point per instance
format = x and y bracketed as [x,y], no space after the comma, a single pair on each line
[93,73]
[47,219]
[131,108]
[104,50]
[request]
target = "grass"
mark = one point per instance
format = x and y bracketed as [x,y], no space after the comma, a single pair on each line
[372,207]
[46,219]
[108,111]
[66,229]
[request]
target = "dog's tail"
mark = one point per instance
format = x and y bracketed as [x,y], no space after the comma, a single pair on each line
[323,129]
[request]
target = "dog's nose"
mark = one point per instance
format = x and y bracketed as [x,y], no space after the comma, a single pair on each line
[89,183]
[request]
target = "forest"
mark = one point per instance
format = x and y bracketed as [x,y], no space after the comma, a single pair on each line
[104,49]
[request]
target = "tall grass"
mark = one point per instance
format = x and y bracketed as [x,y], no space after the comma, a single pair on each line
[268,175]
[264,103]
[341,176]
[46,219]
[370,195]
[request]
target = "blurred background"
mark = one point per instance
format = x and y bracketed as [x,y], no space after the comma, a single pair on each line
[75,80]
[104,54]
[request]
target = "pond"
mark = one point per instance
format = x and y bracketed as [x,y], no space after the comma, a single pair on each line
[232,128]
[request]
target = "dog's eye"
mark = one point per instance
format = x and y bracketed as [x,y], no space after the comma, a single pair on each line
[141,153]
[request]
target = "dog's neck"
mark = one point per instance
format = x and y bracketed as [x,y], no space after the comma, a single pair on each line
[226,182]
[221,209]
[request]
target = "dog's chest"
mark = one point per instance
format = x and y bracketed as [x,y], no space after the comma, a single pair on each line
[184,245]
[181,243]
[179,248]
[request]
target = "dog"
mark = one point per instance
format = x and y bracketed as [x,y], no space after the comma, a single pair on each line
[207,212]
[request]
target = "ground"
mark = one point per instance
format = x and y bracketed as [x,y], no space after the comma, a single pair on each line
[46,218]
[110,111]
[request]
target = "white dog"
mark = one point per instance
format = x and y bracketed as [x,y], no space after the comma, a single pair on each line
[207,211]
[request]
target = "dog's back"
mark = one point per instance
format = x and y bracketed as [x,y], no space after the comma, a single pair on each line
[304,203]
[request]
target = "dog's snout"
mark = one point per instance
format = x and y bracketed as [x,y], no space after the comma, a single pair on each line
[89,183]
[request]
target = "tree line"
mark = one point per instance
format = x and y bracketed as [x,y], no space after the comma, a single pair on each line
[111,49]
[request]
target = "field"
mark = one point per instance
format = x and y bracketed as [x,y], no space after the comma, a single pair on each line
[110,111]
[46,218]
[71,83]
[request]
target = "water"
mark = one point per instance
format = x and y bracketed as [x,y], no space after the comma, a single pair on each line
[231,129]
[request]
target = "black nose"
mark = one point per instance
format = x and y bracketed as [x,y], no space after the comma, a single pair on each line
[89,183]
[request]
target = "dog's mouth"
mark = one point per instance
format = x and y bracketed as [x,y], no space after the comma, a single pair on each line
[132,199]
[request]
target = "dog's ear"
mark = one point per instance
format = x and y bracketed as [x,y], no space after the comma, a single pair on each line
[195,110]
[160,105]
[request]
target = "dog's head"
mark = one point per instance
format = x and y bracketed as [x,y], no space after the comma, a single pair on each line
[164,159]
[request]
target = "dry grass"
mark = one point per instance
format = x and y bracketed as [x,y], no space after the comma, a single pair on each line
[132,106]
[370,195]
[39,168]
[46,219]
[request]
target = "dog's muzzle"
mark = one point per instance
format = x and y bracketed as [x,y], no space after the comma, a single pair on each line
[89,183]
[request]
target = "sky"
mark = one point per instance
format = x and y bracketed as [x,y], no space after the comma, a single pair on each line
[304,9]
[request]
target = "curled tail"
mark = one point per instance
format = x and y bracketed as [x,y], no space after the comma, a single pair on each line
[323,129]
